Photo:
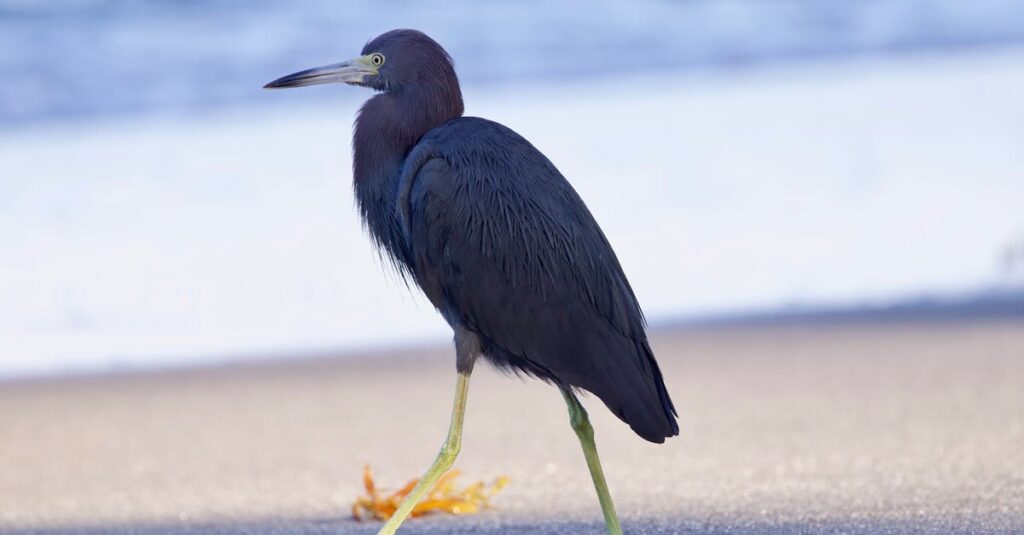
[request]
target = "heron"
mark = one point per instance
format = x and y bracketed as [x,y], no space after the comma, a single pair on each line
[501,245]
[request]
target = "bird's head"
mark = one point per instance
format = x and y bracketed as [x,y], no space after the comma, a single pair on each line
[398,61]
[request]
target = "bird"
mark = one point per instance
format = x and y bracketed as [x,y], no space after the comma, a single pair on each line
[500,244]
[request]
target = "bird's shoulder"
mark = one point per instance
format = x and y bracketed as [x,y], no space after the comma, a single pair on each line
[469,143]
[469,131]
[487,159]
[487,171]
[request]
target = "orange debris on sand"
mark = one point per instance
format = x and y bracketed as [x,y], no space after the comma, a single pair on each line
[442,498]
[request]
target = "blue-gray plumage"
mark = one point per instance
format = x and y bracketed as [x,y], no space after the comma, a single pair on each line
[494,235]
[502,245]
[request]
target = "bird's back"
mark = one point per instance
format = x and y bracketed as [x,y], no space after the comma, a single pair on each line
[502,245]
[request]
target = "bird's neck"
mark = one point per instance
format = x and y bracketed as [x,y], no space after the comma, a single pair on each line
[388,126]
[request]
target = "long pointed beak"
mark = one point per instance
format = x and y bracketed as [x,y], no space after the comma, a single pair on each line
[348,72]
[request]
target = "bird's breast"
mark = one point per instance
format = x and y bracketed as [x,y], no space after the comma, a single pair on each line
[376,199]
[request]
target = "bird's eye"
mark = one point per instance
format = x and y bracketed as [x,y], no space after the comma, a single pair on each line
[377,59]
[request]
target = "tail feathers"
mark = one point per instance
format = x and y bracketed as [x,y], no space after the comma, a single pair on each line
[635,391]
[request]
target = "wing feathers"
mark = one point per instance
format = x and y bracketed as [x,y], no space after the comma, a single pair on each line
[503,245]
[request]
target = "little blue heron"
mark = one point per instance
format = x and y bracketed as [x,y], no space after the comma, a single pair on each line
[500,243]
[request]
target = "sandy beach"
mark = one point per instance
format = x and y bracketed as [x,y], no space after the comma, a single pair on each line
[853,428]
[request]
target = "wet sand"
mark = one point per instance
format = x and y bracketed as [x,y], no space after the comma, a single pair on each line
[849,428]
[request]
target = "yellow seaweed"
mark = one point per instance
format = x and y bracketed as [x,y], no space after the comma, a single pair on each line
[444,497]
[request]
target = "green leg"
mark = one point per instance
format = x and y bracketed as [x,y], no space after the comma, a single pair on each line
[585,432]
[444,460]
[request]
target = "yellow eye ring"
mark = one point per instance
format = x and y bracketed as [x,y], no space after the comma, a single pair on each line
[377,59]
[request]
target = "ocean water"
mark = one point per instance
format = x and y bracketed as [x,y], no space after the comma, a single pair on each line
[89,58]
[157,208]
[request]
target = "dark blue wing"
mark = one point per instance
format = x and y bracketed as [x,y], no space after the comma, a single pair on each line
[502,245]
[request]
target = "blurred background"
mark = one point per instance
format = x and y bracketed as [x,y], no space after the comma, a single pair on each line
[745,158]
